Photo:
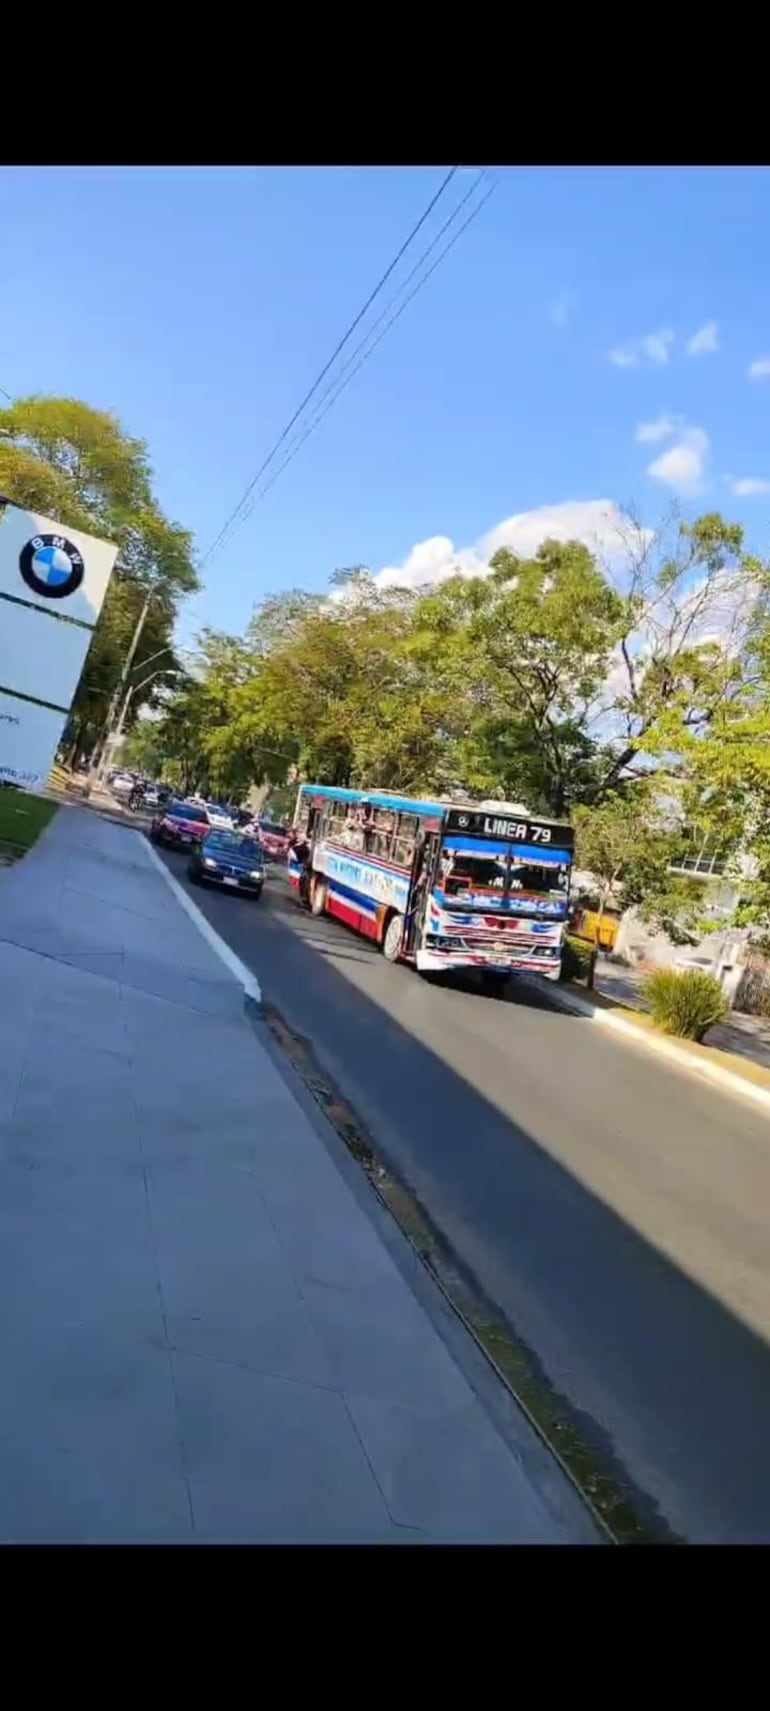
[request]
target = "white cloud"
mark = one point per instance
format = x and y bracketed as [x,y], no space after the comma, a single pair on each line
[684,465]
[705,341]
[749,485]
[597,522]
[648,433]
[656,347]
[760,368]
[561,309]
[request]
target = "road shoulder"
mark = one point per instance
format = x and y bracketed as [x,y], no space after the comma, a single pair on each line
[737,1076]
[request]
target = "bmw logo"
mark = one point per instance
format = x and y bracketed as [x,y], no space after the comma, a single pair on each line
[51,566]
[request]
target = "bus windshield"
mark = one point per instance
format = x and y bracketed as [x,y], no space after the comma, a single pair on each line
[461,872]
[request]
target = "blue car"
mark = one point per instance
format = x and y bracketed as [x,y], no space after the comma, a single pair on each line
[229,860]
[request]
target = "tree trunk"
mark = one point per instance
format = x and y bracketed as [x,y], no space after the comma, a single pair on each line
[603,895]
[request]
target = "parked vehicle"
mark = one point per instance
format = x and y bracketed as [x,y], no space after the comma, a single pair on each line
[596,929]
[228,859]
[180,824]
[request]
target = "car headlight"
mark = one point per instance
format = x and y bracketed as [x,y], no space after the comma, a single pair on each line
[257,874]
[207,862]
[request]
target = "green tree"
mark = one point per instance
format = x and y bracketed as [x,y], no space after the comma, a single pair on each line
[629,843]
[519,657]
[692,590]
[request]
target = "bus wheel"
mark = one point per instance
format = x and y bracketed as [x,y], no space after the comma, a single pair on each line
[318,897]
[394,933]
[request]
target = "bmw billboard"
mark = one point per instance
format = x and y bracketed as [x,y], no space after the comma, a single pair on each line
[53,580]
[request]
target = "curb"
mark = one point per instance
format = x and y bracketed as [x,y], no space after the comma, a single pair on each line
[243,975]
[705,1071]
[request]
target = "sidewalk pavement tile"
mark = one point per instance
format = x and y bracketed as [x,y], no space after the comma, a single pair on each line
[89,1443]
[447,1473]
[272,1459]
[227,1287]
[376,1346]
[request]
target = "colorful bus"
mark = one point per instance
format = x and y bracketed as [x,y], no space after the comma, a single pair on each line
[441,885]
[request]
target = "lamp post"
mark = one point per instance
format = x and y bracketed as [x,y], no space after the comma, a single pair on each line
[134,690]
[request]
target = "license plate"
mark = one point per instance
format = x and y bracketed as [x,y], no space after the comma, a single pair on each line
[186,837]
[498,961]
[231,882]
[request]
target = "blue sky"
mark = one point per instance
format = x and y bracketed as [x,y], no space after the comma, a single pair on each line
[199,304]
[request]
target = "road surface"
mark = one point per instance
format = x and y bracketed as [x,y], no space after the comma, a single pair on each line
[615,1209]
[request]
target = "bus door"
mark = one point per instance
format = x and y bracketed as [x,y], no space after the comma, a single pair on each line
[421,885]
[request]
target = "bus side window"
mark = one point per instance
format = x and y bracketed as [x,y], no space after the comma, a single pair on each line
[404,842]
[379,837]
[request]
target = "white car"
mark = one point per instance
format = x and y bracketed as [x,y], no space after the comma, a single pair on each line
[218,819]
[122,784]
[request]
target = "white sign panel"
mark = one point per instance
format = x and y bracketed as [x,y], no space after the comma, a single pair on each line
[58,569]
[29,738]
[39,656]
[53,580]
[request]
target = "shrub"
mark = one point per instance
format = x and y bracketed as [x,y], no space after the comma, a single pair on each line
[576,959]
[685,1003]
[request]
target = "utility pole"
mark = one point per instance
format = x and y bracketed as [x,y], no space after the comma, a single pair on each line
[98,769]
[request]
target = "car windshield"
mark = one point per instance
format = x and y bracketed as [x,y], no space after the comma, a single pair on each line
[460,872]
[273,830]
[229,843]
[186,811]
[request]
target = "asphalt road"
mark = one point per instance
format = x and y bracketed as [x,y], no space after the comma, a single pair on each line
[616,1210]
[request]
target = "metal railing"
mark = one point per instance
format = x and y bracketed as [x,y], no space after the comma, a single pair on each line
[701,866]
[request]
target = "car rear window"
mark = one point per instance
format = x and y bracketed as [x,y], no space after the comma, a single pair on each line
[186,811]
[229,843]
[273,831]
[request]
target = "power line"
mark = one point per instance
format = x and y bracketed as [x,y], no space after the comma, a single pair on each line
[471,191]
[332,359]
[317,419]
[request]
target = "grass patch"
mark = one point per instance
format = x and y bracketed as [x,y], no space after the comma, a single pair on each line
[22,818]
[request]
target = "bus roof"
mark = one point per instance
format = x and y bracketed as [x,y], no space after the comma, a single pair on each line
[378,799]
[440,805]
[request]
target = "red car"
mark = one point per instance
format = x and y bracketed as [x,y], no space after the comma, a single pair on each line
[180,824]
[274,839]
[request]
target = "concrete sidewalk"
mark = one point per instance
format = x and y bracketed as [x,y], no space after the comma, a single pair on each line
[208,1329]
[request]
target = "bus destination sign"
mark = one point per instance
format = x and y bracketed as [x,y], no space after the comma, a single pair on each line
[488,825]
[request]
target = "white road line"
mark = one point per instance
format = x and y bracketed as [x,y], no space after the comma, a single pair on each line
[233,964]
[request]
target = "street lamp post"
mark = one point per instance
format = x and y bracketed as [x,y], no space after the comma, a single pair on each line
[134,690]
